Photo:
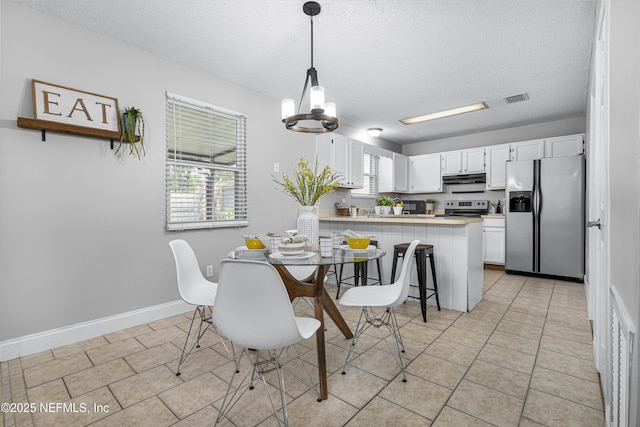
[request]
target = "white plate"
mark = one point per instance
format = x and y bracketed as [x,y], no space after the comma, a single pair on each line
[303,255]
[243,253]
[348,248]
[244,248]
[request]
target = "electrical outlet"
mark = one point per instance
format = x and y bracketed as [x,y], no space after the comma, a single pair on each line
[276,167]
[209,270]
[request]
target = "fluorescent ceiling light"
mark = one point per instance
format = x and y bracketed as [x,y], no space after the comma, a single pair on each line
[446,113]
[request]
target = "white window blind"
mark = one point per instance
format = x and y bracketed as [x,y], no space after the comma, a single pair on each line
[370,187]
[206,165]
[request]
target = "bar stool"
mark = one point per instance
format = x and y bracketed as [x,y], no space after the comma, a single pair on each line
[422,251]
[360,271]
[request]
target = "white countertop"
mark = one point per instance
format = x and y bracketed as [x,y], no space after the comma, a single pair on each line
[403,219]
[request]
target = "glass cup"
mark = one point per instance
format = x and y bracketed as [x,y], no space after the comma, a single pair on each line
[274,241]
[337,240]
[326,246]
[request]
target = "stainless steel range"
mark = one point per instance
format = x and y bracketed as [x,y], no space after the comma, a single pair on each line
[465,208]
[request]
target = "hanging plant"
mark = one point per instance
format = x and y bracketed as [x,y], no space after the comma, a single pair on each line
[132,124]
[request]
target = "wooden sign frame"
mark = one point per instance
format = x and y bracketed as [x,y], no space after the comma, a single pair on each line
[65,105]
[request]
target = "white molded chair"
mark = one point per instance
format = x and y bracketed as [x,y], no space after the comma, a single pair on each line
[195,290]
[386,297]
[253,310]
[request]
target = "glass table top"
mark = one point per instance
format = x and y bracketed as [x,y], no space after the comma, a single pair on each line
[338,256]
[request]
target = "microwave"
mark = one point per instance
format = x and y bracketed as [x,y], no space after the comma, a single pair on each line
[414,206]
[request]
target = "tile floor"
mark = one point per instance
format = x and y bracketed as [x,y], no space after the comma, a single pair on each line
[521,357]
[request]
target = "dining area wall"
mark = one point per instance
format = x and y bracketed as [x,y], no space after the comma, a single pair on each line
[83,230]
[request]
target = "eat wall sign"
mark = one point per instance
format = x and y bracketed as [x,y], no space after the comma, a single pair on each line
[65,105]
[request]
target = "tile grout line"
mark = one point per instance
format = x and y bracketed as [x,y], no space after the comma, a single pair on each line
[4,366]
[471,364]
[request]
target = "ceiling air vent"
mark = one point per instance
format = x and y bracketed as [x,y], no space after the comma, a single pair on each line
[517,98]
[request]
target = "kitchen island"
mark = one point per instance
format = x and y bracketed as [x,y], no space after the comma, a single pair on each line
[457,247]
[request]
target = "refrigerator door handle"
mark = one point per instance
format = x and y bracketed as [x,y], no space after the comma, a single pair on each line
[537,206]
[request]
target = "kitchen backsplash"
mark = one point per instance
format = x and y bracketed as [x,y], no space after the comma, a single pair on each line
[329,200]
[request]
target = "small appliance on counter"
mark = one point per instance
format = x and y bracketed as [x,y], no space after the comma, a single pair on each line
[412,207]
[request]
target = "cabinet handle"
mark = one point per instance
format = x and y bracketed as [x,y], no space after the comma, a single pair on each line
[595,223]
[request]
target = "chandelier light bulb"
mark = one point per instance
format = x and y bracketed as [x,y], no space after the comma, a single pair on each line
[288,108]
[330,109]
[317,98]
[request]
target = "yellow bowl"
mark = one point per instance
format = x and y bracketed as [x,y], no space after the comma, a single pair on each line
[253,243]
[358,243]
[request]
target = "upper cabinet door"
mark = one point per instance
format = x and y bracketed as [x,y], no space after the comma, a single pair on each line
[324,150]
[356,164]
[528,150]
[341,158]
[569,145]
[385,174]
[452,163]
[344,155]
[426,175]
[473,160]
[497,156]
[400,172]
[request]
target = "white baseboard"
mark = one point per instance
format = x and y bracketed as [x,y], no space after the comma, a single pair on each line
[41,341]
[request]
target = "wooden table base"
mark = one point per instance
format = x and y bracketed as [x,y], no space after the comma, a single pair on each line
[314,288]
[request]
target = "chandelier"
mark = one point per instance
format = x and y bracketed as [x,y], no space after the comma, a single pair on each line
[322,117]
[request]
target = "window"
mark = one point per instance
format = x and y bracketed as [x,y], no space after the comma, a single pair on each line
[206,165]
[370,187]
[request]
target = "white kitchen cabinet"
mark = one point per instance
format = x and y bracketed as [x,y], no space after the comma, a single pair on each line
[569,145]
[527,150]
[452,163]
[344,155]
[493,241]
[473,160]
[341,158]
[497,156]
[400,172]
[385,174]
[464,161]
[324,150]
[425,174]
[355,166]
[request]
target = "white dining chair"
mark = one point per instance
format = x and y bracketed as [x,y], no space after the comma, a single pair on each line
[377,303]
[195,290]
[253,311]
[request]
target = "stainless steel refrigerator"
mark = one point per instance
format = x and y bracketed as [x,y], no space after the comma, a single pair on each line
[545,217]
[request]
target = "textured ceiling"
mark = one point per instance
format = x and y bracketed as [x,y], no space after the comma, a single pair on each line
[379,60]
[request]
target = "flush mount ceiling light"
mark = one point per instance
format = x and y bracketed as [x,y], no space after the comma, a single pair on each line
[322,117]
[374,132]
[445,113]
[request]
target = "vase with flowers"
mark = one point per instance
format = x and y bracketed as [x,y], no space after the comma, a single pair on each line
[306,187]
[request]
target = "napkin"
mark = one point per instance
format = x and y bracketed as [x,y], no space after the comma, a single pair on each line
[354,235]
[266,239]
[291,237]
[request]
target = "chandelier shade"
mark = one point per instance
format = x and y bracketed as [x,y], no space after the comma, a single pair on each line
[322,116]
